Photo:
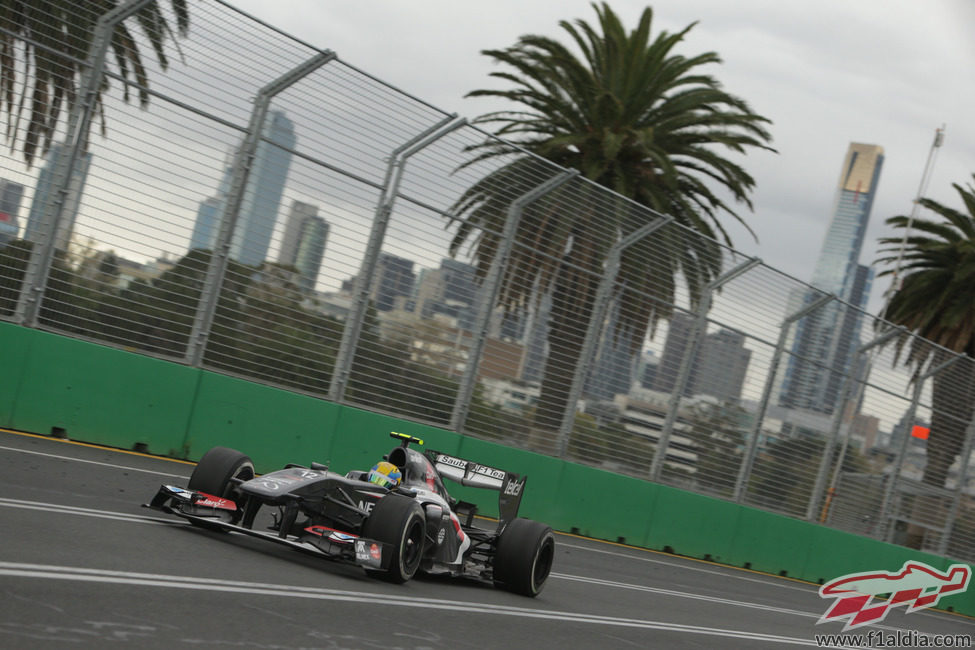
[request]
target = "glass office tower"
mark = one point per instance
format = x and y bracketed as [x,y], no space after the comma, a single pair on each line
[826,339]
[262,196]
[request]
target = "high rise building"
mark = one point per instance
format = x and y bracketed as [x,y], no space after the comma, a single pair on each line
[721,366]
[826,338]
[303,246]
[42,195]
[262,196]
[205,228]
[10,195]
[450,290]
[300,212]
[718,368]
[394,279]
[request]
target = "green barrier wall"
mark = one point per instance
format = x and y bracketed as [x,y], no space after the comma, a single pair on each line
[273,426]
[95,393]
[107,396]
[15,345]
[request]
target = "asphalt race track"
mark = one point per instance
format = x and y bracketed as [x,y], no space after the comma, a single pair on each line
[82,565]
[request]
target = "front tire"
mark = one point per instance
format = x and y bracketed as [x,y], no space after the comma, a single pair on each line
[398,521]
[523,557]
[215,474]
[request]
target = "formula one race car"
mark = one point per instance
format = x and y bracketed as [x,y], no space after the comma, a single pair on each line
[393,520]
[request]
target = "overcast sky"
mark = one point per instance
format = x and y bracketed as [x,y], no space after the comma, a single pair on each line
[885,72]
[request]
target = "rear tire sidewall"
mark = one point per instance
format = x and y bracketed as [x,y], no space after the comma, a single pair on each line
[523,557]
[399,522]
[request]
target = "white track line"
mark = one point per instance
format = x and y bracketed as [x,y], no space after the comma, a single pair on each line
[93,462]
[49,572]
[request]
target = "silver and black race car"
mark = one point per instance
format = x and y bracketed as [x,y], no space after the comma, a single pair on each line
[391,532]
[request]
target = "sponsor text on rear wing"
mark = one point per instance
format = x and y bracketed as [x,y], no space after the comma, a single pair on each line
[508,484]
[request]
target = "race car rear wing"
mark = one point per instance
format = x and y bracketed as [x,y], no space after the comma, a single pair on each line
[511,486]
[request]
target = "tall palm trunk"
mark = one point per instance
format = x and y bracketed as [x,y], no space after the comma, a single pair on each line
[953,405]
[573,298]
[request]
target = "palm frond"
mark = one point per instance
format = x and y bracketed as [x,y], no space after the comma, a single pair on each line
[53,37]
[936,296]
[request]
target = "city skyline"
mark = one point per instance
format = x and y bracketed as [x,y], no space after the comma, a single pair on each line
[717,369]
[821,81]
[261,201]
[827,337]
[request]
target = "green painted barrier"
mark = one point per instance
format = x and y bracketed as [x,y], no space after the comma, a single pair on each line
[100,394]
[693,524]
[15,346]
[103,395]
[772,543]
[597,503]
[271,425]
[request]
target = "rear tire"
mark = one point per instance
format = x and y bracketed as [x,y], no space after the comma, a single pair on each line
[523,557]
[398,521]
[214,475]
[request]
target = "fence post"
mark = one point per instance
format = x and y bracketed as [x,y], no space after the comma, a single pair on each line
[364,280]
[684,374]
[489,292]
[217,268]
[885,509]
[751,446]
[600,307]
[38,268]
[838,417]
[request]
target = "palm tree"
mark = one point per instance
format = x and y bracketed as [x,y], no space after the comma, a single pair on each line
[46,42]
[631,116]
[936,301]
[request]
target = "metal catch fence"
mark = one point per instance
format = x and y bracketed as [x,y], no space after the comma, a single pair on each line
[275,213]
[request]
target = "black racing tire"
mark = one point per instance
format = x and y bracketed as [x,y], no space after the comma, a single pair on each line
[523,557]
[215,472]
[398,521]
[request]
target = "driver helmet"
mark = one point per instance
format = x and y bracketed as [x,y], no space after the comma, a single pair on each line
[385,474]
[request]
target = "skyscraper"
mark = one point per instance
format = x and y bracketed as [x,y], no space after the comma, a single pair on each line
[205,228]
[72,201]
[450,290]
[10,196]
[826,339]
[394,279]
[303,246]
[719,365]
[262,196]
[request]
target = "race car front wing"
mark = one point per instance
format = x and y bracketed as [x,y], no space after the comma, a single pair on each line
[216,512]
